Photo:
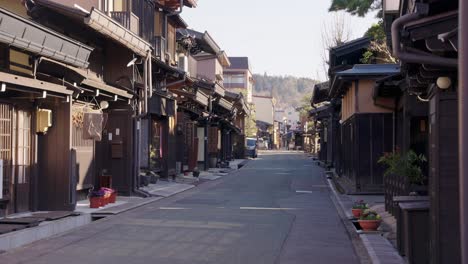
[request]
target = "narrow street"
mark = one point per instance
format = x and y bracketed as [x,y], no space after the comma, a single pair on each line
[277,209]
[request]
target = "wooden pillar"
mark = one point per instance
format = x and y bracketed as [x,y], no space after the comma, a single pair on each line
[443,178]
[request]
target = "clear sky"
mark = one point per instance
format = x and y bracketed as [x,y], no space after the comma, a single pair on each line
[280,37]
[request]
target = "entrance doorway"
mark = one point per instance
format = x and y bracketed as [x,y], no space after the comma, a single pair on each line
[16,156]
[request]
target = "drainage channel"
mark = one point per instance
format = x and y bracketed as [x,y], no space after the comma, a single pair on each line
[359,229]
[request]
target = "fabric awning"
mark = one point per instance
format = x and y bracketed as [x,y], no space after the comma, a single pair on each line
[33,83]
[33,37]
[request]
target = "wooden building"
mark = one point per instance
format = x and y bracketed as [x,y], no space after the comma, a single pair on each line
[36,113]
[424,37]
[366,127]
[73,112]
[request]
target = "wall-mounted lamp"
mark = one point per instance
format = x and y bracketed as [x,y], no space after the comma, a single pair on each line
[44,94]
[444,82]
[391,6]
[134,61]
[3,87]
[104,104]
[116,97]
[97,92]
[341,122]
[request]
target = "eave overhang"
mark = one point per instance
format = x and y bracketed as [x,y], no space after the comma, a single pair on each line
[34,84]
[81,77]
[35,38]
[112,29]
[342,79]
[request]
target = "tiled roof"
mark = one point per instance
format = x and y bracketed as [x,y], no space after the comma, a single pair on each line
[239,63]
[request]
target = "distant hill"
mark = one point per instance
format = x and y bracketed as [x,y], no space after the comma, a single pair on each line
[287,90]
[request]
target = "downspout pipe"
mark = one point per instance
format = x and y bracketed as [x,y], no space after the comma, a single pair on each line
[413,57]
[463,126]
[150,74]
[145,90]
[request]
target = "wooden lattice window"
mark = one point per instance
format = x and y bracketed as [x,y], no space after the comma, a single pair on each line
[6,116]
[155,147]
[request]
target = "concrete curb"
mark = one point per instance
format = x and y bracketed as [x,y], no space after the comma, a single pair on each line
[45,230]
[359,247]
[365,244]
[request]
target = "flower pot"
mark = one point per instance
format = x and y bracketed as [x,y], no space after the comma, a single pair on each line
[113,197]
[144,180]
[357,212]
[419,189]
[154,179]
[369,225]
[94,202]
[105,200]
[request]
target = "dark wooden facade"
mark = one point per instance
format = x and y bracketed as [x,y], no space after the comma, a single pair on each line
[364,139]
[415,32]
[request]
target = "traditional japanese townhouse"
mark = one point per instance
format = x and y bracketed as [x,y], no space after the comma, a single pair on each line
[321,113]
[265,110]
[240,113]
[153,24]
[113,92]
[363,119]
[160,129]
[193,100]
[206,63]
[424,37]
[37,165]
[341,57]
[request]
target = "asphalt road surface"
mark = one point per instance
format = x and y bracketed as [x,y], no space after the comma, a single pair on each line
[277,209]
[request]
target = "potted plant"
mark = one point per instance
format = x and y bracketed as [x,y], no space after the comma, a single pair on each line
[196,172]
[408,165]
[369,220]
[113,197]
[109,195]
[358,208]
[96,199]
[144,179]
[153,177]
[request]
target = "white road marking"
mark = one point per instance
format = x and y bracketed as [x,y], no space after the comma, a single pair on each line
[173,208]
[299,191]
[267,208]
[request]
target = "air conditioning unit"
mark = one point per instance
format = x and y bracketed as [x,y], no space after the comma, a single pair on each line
[43,120]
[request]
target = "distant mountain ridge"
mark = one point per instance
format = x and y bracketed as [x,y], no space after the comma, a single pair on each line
[287,90]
